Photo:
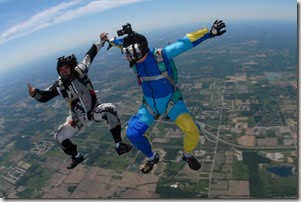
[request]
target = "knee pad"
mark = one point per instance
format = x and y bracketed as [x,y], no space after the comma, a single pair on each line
[59,135]
[106,107]
[107,112]
[64,132]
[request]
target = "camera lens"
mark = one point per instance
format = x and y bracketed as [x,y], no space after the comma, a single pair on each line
[119,32]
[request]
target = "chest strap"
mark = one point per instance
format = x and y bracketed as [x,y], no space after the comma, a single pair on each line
[158,77]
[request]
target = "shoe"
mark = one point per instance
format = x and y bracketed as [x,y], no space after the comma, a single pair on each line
[75,162]
[123,148]
[148,166]
[193,163]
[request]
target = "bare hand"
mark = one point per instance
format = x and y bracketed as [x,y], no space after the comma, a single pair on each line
[104,37]
[31,90]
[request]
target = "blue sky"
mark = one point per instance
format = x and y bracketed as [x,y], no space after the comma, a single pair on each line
[36,28]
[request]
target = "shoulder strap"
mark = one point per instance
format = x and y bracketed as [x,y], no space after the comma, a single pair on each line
[159,58]
[80,73]
[82,76]
[134,68]
[61,89]
[163,64]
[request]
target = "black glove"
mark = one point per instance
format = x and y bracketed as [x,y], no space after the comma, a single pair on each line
[216,28]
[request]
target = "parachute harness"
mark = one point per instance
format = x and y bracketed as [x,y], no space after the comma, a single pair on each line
[164,74]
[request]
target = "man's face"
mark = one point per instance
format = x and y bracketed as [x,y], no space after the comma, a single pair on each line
[65,71]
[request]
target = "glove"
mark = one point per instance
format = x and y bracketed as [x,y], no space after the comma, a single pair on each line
[216,28]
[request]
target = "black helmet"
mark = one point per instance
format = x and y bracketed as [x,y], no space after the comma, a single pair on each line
[135,46]
[70,60]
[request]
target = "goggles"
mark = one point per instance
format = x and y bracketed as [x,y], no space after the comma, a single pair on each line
[132,52]
[69,60]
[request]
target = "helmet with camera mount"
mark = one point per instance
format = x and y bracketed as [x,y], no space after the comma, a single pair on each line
[135,47]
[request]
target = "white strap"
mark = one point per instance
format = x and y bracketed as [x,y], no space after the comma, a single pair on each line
[151,78]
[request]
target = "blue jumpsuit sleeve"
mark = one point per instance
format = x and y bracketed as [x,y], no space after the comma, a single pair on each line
[188,42]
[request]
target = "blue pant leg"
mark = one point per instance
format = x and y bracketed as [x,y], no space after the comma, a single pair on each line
[136,129]
[178,109]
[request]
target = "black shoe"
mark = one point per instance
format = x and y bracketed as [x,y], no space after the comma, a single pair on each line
[148,166]
[123,148]
[75,162]
[192,162]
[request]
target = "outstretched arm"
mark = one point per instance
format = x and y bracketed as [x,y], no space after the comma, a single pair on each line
[90,55]
[43,96]
[193,39]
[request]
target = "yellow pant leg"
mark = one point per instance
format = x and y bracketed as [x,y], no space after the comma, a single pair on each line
[191,131]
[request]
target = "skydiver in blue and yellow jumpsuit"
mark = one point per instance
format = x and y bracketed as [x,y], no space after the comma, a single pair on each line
[160,94]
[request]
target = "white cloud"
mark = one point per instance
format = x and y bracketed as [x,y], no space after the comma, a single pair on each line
[58,14]
[93,7]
